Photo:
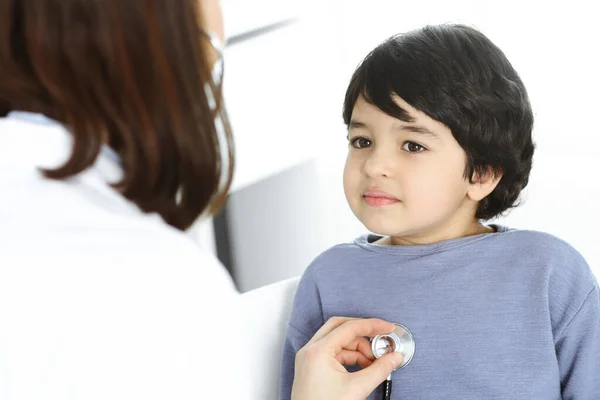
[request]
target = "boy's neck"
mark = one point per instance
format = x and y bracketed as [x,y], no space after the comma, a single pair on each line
[477,228]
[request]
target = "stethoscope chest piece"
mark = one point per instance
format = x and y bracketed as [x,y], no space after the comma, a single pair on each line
[400,340]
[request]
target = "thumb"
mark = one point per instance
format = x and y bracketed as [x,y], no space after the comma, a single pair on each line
[369,378]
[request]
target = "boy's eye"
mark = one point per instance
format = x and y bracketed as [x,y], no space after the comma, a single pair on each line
[360,142]
[413,147]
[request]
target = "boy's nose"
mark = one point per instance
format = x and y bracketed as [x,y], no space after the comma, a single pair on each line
[380,164]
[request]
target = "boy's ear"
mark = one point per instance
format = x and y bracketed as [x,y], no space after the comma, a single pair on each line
[482,184]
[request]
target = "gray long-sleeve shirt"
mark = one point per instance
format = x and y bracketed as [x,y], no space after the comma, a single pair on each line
[507,315]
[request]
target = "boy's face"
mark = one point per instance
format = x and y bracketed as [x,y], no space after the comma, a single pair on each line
[406,179]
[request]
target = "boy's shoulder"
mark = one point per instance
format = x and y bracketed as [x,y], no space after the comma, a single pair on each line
[563,263]
[569,279]
[339,254]
[537,243]
[533,238]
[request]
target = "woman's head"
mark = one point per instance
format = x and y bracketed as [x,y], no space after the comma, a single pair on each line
[131,74]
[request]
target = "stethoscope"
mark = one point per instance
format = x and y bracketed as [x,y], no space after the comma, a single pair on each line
[400,340]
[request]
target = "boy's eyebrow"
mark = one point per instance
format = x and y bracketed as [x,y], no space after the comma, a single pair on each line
[356,124]
[416,129]
[397,127]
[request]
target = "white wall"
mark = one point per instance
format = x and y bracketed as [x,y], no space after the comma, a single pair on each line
[277,227]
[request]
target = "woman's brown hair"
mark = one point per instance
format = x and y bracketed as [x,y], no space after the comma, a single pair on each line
[130,74]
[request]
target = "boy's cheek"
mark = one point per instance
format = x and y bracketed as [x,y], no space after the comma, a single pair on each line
[352,177]
[441,195]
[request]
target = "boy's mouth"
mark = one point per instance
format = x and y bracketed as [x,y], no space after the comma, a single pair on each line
[378,198]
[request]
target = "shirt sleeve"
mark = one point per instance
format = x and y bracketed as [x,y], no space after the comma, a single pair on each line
[578,351]
[306,318]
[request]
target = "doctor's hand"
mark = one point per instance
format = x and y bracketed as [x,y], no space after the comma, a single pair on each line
[320,372]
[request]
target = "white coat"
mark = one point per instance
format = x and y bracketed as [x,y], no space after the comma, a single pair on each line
[97,299]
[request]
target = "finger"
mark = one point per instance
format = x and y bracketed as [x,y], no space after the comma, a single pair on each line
[350,330]
[367,379]
[365,363]
[364,346]
[348,357]
[361,345]
[331,324]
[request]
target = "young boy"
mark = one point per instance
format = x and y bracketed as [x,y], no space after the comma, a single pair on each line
[439,129]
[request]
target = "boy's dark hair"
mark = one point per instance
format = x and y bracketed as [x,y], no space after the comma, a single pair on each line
[457,76]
